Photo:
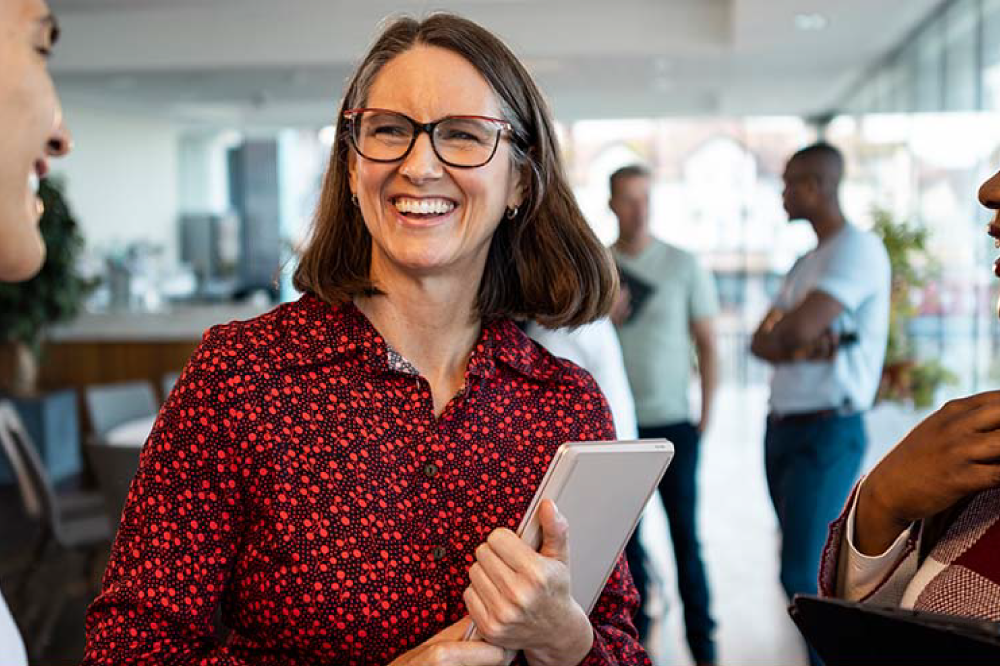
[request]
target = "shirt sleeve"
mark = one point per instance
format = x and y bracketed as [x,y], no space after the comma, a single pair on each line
[178,537]
[606,365]
[861,575]
[704,300]
[846,573]
[855,270]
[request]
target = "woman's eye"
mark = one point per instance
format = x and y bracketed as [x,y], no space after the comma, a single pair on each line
[460,136]
[45,51]
[388,130]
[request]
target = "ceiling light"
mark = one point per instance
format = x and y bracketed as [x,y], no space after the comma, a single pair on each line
[810,22]
[230,138]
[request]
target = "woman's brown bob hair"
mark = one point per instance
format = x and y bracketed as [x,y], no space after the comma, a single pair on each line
[544,264]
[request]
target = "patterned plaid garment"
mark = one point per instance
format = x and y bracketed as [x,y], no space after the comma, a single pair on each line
[961,548]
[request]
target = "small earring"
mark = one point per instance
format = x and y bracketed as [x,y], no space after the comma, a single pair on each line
[354,199]
[511,213]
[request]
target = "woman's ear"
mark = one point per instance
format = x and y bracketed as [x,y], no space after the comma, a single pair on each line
[352,172]
[520,186]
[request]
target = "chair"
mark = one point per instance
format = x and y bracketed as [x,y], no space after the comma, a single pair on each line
[114,466]
[109,405]
[70,524]
[168,382]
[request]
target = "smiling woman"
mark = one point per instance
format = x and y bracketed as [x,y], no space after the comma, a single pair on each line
[341,475]
[543,262]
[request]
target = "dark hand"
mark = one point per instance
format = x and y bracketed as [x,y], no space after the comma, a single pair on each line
[953,453]
[824,348]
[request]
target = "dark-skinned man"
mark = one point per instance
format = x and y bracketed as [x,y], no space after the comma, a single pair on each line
[826,338]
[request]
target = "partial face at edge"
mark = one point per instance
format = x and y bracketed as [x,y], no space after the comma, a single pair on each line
[32,120]
[989,196]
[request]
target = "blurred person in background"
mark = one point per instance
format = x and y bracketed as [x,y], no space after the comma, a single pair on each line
[826,337]
[922,529]
[32,133]
[665,318]
[339,478]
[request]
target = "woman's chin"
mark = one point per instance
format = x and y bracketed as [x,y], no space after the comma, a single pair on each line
[22,258]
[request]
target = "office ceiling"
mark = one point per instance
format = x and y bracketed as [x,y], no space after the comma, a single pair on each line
[271,62]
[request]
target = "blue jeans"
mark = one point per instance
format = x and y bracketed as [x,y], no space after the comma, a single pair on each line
[811,466]
[678,492]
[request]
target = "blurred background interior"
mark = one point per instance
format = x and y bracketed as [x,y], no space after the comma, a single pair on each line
[202,130]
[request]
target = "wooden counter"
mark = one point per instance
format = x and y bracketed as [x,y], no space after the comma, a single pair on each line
[100,348]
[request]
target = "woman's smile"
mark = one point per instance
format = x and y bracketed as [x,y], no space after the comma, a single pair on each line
[427,211]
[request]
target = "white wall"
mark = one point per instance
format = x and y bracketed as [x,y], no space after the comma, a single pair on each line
[122,178]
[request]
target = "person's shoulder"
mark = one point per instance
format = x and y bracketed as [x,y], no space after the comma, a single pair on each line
[533,360]
[677,255]
[856,235]
[681,262]
[260,331]
[286,334]
[865,243]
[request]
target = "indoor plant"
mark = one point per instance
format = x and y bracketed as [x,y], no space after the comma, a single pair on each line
[56,294]
[904,376]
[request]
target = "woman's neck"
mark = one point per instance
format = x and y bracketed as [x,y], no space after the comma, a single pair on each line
[432,323]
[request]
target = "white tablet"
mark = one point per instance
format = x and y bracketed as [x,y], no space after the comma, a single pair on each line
[601,488]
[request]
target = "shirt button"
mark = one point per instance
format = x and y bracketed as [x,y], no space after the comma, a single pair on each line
[438,553]
[430,470]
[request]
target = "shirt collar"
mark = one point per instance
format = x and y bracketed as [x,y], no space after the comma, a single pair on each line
[325,333]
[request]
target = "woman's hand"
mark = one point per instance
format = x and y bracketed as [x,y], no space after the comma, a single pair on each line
[953,453]
[520,599]
[448,648]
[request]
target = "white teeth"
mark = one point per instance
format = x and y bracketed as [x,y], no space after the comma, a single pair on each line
[424,206]
[33,182]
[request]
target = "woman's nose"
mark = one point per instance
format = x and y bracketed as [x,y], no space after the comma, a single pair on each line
[422,162]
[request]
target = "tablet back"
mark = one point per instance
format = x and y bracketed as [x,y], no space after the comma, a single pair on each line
[601,488]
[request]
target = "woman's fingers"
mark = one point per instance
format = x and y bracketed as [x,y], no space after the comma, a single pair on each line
[503,563]
[488,624]
[466,653]
[453,633]
[486,589]
[510,550]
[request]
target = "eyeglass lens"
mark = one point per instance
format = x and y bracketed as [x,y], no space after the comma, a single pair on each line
[460,141]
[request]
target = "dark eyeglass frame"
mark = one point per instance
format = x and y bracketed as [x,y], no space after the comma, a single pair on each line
[351,115]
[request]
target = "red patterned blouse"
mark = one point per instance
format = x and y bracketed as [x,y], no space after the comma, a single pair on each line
[298,477]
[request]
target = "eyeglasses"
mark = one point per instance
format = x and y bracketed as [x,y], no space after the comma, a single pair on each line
[459,141]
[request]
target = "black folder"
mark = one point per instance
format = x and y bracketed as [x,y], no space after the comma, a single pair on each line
[639,291]
[849,633]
